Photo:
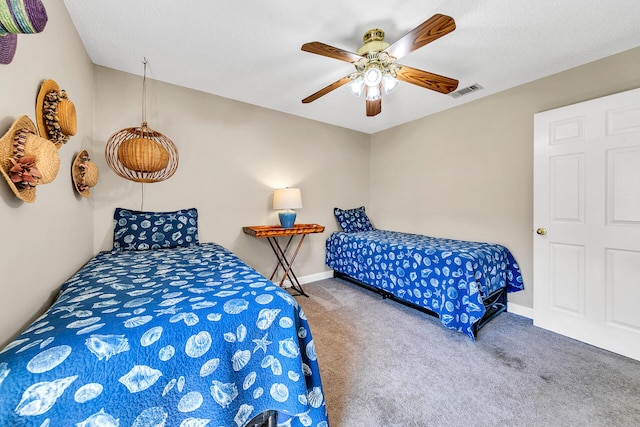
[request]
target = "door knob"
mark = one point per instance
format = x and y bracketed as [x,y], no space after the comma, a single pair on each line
[541,231]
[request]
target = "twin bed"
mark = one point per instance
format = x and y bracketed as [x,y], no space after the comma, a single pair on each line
[463,283]
[164,331]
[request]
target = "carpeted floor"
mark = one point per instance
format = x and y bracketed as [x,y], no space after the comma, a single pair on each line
[384,364]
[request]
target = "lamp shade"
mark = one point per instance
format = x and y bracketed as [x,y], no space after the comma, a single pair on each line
[287,198]
[357,85]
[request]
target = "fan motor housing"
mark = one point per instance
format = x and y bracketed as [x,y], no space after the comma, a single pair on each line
[373,42]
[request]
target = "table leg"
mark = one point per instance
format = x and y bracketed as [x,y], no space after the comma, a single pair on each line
[287,264]
[277,250]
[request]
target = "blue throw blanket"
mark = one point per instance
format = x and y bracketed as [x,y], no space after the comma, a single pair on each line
[187,337]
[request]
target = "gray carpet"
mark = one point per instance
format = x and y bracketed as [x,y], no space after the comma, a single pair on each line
[384,364]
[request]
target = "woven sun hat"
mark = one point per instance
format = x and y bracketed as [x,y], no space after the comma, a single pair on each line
[84,173]
[8,44]
[22,16]
[55,113]
[26,159]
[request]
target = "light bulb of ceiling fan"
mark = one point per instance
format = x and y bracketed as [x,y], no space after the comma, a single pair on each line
[356,86]
[373,76]
[373,93]
[389,83]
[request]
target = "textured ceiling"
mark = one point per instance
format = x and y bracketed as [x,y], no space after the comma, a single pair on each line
[250,50]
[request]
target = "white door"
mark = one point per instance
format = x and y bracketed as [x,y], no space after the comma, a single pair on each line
[587,222]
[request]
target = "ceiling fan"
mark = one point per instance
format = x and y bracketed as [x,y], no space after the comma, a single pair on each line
[376,69]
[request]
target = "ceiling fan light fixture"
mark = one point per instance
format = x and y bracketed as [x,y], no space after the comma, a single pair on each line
[375,63]
[357,85]
[373,76]
[373,93]
[389,83]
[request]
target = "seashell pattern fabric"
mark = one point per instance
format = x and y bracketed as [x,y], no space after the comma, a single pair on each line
[353,220]
[141,231]
[448,277]
[187,336]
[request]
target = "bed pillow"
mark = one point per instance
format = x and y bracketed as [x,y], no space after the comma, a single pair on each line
[353,220]
[138,231]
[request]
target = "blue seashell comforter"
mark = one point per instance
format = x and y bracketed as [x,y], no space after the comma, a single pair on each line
[448,277]
[187,337]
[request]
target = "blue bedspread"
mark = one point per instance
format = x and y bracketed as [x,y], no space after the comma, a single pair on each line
[173,337]
[448,277]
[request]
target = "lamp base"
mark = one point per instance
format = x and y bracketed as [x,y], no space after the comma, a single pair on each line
[287,219]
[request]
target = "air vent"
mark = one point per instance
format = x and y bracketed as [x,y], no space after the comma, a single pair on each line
[466,90]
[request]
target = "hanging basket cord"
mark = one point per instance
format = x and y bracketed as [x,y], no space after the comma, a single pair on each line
[144,93]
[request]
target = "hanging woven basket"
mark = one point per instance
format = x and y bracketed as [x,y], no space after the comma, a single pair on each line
[141,154]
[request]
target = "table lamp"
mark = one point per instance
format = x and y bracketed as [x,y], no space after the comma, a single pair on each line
[287,199]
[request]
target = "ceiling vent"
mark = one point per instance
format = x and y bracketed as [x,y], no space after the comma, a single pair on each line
[466,90]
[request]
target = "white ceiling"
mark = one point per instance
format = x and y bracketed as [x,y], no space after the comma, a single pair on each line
[249,50]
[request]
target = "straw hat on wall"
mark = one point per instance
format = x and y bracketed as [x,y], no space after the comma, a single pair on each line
[19,17]
[22,16]
[26,159]
[55,113]
[84,173]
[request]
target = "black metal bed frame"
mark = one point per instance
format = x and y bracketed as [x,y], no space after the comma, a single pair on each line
[265,419]
[495,303]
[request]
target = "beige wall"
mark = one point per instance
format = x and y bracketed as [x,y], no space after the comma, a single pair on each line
[464,173]
[467,173]
[232,156]
[45,242]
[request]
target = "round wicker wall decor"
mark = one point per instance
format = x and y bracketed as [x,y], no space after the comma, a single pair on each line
[141,154]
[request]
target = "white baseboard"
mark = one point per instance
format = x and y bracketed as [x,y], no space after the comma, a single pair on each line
[310,278]
[315,277]
[520,310]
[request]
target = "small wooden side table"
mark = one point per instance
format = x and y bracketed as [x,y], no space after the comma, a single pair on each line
[271,233]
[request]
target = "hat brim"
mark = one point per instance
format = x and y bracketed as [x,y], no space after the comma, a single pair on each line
[46,87]
[23,122]
[8,46]
[75,173]
[28,195]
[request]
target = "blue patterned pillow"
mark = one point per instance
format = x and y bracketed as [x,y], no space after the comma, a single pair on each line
[352,220]
[138,231]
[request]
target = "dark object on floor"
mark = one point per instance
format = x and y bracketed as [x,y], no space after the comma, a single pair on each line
[266,419]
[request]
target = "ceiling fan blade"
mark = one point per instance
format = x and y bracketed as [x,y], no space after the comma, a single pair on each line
[330,51]
[430,30]
[325,90]
[374,107]
[426,80]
